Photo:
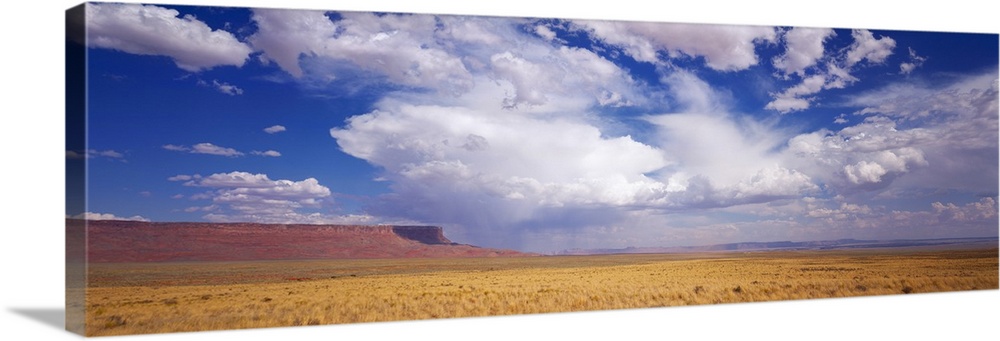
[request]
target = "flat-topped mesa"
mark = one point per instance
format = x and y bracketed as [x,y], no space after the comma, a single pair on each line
[135,241]
[424,234]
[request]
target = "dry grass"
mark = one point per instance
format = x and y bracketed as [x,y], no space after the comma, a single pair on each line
[153,298]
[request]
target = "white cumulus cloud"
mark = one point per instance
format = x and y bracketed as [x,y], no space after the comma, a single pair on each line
[453,164]
[448,54]
[285,35]
[153,30]
[489,168]
[954,126]
[496,127]
[401,48]
[725,48]
[803,48]
[869,155]
[912,137]
[244,196]
[792,98]
[867,47]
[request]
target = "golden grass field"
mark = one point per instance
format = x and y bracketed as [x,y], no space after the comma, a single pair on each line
[174,297]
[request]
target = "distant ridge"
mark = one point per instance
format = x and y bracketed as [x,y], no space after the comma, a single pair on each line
[135,241]
[789,245]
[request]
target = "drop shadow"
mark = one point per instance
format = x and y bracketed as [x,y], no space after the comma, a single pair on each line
[53,317]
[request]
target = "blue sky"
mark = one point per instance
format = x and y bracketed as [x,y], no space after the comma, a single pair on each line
[540,134]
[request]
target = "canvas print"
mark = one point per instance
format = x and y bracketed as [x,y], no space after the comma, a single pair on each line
[232,168]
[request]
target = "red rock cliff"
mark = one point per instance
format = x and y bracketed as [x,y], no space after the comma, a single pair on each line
[423,234]
[132,241]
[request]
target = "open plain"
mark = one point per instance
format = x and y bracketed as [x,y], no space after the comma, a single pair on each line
[136,298]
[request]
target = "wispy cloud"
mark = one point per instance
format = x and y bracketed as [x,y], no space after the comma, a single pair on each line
[205,148]
[176,148]
[211,149]
[915,62]
[93,153]
[184,177]
[270,153]
[274,129]
[222,87]
[106,216]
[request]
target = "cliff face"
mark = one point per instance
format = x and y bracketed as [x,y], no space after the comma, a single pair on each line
[423,234]
[131,241]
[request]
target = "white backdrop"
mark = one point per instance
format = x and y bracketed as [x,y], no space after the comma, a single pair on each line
[32,129]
